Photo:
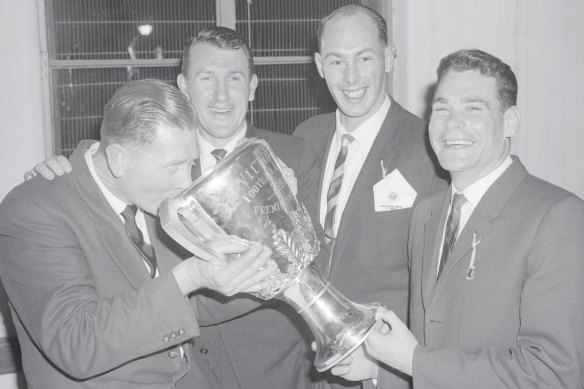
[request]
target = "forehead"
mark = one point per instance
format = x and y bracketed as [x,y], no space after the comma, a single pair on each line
[465,85]
[350,32]
[209,58]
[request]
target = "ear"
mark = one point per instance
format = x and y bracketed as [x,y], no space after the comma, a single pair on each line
[253,84]
[390,55]
[182,85]
[318,62]
[117,158]
[511,121]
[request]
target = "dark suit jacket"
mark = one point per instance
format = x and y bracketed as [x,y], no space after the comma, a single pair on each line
[267,348]
[87,313]
[369,259]
[520,322]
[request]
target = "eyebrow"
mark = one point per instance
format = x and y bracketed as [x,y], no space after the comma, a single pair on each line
[470,99]
[335,54]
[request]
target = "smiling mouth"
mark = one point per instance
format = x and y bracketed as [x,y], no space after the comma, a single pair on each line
[220,111]
[458,143]
[356,93]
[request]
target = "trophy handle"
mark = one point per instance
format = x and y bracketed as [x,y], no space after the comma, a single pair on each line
[172,224]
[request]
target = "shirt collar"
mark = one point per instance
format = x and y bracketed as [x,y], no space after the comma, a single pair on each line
[366,133]
[475,192]
[117,204]
[205,147]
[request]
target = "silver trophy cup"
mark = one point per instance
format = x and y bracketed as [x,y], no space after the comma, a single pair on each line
[247,195]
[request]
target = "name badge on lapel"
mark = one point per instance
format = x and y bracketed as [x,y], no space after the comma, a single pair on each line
[393,192]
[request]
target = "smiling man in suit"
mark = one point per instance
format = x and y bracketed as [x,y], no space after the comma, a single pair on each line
[97,299]
[386,168]
[497,276]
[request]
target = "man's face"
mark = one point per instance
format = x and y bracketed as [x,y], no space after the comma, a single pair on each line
[219,87]
[354,64]
[468,131]
[159,170]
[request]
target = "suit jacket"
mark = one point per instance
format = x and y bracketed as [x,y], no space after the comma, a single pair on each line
[519,323]
[86,312]
[369,259]
[267,348]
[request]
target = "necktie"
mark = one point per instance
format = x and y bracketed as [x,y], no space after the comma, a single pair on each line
[135,235]
[218,154]
[335,188]
[451,228]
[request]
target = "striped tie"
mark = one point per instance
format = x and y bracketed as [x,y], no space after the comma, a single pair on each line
[335,187]
[218,154]
[135,235]
[451,228]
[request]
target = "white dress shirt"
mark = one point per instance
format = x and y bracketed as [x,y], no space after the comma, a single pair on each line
[206,159]
[473,194]
[364,136]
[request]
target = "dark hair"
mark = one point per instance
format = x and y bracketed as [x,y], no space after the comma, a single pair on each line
[138,108]
[487,65]
[221,37]
[355,9]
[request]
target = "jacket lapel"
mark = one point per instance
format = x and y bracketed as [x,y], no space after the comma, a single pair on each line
[432,240]
[487,210]
[382,150]
[111,229]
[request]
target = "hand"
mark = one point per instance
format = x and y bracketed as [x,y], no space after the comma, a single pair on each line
[357,367]
[244,274]
[57,165]
[289,175]
[391,341]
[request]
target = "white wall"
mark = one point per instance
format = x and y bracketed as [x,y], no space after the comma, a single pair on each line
[21,120]
[543,42]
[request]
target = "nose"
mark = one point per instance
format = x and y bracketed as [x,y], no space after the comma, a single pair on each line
[220,92]
[350,74]
[455,120]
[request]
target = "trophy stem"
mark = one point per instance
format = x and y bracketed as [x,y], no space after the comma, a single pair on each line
[339,326]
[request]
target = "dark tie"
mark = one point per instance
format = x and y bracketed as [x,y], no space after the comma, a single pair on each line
[218,154]
[135,235]
[451,228]
[335,188]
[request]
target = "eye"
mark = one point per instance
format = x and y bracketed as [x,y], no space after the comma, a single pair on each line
[474,108]
[366,59]
[336,62]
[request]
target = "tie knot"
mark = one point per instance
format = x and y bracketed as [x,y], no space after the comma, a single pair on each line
[458,200]
[130,213]
[346,140]
[218,154]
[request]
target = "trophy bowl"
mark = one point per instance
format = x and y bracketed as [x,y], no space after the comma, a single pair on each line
[246,194]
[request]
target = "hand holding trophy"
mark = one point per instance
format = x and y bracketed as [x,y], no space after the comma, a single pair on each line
[247,195]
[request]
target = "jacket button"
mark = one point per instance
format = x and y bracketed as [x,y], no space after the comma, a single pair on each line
[204,351]
[173,335]
[173,354]
[181,332]
[165,338]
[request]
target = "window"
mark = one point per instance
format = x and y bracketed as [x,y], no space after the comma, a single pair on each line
[97,45]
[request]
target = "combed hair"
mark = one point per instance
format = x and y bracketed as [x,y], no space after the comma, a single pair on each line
[487,65]
[220,37]
[139,108]
[355,9]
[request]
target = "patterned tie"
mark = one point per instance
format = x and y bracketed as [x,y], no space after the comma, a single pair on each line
[218,154]
[335,187]
[135,235]
[451,228]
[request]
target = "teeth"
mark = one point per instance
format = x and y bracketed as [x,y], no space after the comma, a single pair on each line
[458,142]
[354,94]
[218,110]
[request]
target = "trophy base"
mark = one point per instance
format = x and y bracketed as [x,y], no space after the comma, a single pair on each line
[339,326]
[322,364]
